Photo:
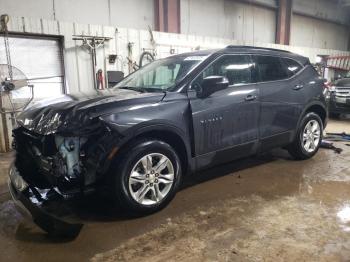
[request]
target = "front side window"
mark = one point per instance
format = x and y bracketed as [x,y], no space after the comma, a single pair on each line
[292,67]
[161,75]
[238,69]
[270,68]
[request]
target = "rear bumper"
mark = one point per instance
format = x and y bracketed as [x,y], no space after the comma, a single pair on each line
[45,207]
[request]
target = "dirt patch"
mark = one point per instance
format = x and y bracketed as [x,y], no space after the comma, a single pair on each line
[247,229]
[10,218]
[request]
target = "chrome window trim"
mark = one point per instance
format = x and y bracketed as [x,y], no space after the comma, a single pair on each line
[251,58]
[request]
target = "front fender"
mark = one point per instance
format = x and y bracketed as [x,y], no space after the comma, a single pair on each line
[166,116]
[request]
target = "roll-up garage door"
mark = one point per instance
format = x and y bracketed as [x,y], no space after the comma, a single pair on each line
[41,61]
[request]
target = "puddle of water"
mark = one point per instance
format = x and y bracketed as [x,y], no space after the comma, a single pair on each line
[10,218]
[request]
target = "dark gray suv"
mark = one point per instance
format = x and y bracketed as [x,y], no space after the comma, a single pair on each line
[339,102]
[173,116]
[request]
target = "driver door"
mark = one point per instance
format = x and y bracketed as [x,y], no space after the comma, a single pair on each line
[226,122]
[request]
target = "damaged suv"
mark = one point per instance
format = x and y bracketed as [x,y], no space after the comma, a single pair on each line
[172,117]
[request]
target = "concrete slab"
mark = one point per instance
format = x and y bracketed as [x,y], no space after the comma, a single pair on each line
[339,125]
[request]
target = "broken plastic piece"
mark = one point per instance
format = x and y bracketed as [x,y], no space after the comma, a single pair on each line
[328,145]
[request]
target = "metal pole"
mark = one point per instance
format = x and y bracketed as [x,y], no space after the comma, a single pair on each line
[4,19]
[93,59]
[5,128]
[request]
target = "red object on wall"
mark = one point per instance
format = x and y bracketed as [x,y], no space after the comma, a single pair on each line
[100,80]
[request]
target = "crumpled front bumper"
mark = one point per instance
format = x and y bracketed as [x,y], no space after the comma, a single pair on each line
[46,207]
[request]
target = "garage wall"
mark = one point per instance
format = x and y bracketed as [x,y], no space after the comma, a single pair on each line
[228,19]
[78,61]
[321,24]
[250,22]
[131,13]
[78,69]
[313,32]
[32,8]
[315,23]
[331,10]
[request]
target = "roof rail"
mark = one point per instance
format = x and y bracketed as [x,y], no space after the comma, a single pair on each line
[257,47]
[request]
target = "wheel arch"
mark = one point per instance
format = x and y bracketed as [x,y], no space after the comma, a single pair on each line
[169,134]
[320,111]
[317,108]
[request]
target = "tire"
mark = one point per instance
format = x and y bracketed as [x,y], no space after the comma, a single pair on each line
[125,185]
[298,149]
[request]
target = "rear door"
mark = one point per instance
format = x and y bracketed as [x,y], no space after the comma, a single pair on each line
[280,96]
[227,119]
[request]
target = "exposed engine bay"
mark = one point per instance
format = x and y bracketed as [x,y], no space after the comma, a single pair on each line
[66,144]
[67,163]
[68,157]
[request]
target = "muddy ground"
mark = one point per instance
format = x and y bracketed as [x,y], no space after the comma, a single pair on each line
[267,208]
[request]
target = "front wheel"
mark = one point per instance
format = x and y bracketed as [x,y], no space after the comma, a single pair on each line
[308,138]
[149,176]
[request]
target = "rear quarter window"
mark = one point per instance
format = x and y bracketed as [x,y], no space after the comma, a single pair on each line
[270,68]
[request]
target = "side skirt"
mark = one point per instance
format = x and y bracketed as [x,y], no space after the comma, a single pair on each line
[279,140]
[225,155]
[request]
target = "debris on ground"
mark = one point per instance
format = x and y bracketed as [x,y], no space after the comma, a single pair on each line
[9,218]
[329,145]
[337,137]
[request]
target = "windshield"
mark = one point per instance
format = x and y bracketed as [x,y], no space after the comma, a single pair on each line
[161,75]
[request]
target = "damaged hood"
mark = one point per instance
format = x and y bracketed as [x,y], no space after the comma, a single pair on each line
[79,112]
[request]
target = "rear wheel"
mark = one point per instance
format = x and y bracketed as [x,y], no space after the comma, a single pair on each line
[308,138]
[148,177]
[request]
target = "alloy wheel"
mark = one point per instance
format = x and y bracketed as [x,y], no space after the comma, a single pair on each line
[311,136]
[151,179]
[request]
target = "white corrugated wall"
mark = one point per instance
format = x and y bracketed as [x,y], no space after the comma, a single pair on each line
[78,68]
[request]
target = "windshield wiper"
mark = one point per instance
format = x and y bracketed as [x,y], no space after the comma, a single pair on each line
[137,89]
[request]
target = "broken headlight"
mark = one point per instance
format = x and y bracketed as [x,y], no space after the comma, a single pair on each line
[17,181]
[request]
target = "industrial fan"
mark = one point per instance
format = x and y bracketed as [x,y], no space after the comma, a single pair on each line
[15,92]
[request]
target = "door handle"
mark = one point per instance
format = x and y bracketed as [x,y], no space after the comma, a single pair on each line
[298,87]
[250,98]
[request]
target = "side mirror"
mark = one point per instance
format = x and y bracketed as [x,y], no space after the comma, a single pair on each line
[210,85]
